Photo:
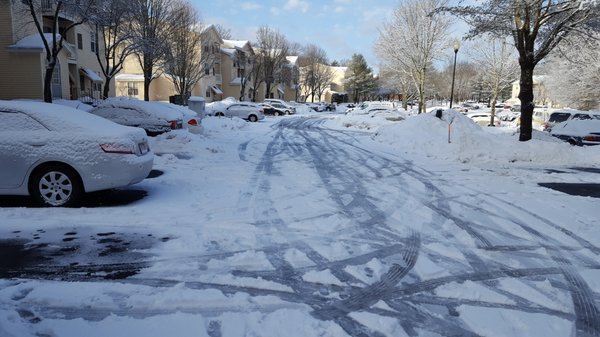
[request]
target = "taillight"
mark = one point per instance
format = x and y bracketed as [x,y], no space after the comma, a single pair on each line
[173,124]
[592,138]
[117,148]
[193,122]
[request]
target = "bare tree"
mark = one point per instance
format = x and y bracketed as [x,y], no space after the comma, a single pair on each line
[224,33]
[573,73]
[78,12]
[150,34]
[271,49]
[114,29]
[183,60]
[497,62]
[255,78]
[409,41]
[399,80]
[537,27]
[315,74]
[242,61]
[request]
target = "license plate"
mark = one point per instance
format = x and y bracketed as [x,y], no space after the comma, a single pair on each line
[143,148]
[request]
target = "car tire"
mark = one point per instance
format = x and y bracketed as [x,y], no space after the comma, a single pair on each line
[220,114]
[287,112]
[253,118]
[56,186]
[276,113]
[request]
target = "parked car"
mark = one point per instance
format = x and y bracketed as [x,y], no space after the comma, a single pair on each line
[55,153]
[389,114]
[484,118]
[270,110]
[248,111]
[369,105]
[282,107]
[565,115]
[578,132]
[516,107]
[152,117]
[281,104]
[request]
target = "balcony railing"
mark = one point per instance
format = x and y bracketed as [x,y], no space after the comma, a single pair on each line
[47,5]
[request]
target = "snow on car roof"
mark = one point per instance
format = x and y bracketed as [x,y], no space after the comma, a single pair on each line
[154,108]
[576,127]
[61,117]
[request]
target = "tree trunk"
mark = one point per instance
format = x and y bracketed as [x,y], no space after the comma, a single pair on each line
[106,89]
[421,97]
[526,97]
[493,117]
[48,82]
[268,90]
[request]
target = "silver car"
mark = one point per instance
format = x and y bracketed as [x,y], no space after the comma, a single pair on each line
[55,153]
[152,117]
[248,111]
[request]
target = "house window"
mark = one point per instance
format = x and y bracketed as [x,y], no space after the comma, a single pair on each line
[207,93]
[206,69]
[82,82]
[132,89]
[240,73]
[206,47]
[79,41]
[93,41]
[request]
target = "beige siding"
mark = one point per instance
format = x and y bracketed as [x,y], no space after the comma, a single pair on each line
[21,72]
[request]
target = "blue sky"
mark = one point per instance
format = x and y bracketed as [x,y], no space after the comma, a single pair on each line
[340,27]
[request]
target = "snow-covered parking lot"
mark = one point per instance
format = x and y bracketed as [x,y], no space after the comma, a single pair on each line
[323,225]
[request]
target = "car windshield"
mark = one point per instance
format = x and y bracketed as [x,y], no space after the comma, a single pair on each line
[558,117]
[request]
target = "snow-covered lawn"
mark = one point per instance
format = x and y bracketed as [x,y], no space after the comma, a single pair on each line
[320,225]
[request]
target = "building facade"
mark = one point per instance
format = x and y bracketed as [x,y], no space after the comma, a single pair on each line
[77,74]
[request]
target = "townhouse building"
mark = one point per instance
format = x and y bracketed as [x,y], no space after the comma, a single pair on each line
[236,69]
[23,58]
[130,81]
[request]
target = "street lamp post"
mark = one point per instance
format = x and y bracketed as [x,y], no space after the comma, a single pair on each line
[456,46]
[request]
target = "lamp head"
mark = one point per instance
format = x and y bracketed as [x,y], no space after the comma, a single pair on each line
[456,45]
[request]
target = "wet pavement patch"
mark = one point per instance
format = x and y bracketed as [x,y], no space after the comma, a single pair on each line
[108,198]
[580,189]
[74,256]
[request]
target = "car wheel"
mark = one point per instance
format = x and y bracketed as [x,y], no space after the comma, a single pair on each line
[276,113]
[572,141]
[56,186]
[253,118]
[287,112]
[219,114]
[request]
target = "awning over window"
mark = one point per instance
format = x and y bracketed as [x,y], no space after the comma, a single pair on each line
[216,90]
[91,75]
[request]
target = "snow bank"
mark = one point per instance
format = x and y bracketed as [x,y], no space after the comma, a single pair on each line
[470,143]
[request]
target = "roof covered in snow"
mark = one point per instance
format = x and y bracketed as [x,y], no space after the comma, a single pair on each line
[34,41]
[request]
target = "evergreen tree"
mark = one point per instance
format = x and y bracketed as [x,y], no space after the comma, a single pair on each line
[359,78]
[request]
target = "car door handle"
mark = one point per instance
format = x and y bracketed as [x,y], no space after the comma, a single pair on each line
[34,142]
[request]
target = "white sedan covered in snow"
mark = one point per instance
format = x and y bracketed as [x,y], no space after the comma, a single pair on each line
[56,153]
